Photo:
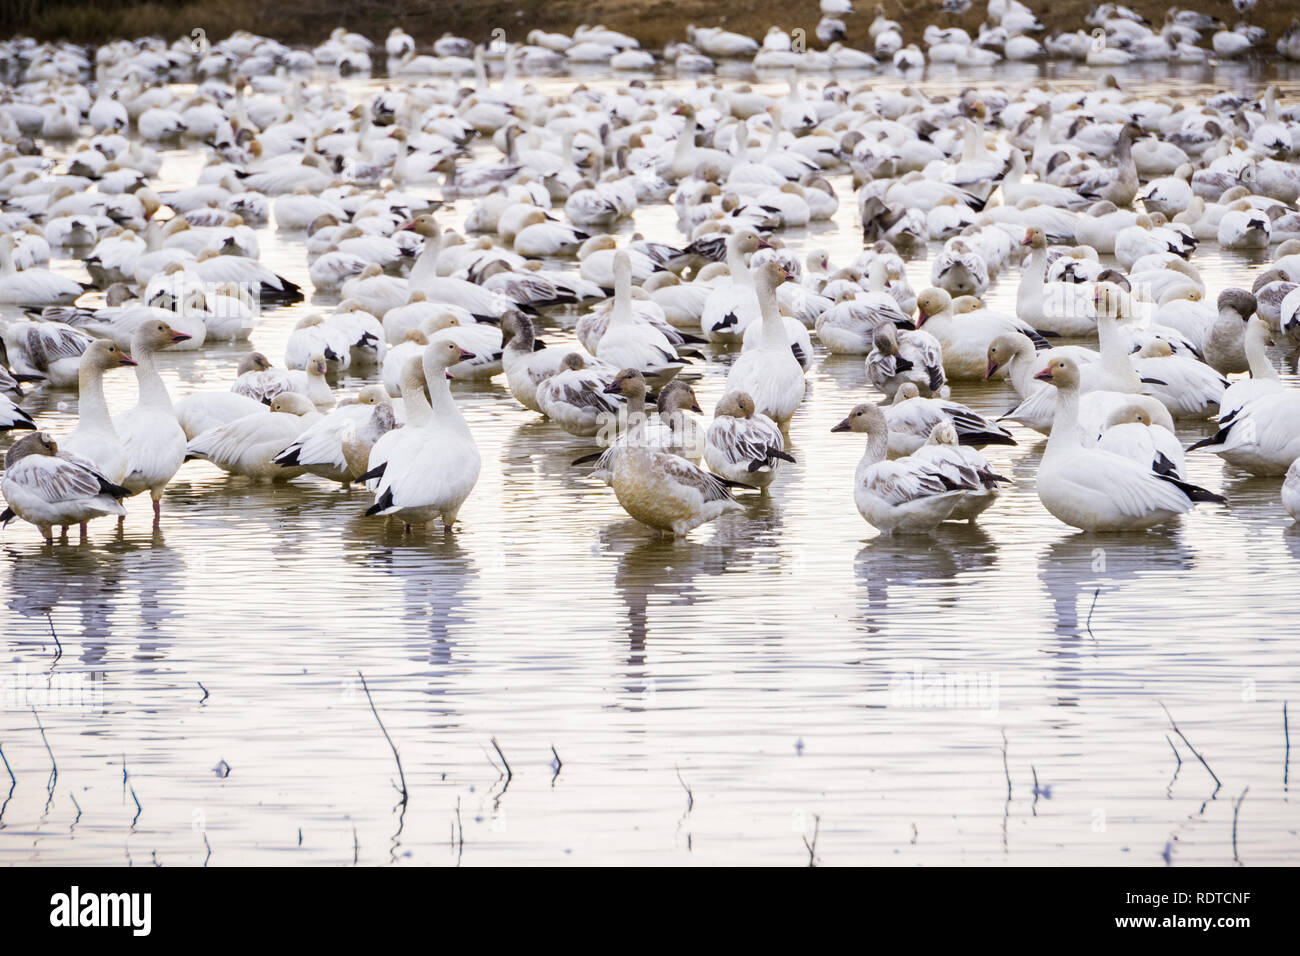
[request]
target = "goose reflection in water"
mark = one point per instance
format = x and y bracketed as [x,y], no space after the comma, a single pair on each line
[936,560]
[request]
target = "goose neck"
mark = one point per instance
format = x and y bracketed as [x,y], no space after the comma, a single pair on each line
[153,391]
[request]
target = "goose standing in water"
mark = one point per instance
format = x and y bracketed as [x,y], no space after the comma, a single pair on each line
[770,374]
[155,442]
[901,496]
[744,445]
[46,489]
[660,489]
[434,466]
[1098,490]
[94,438]
[961,466]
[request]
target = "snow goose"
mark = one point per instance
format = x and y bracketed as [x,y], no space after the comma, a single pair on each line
[1064,308]
[628,343]
[674,431]
[732,306]
[526,365]
[965,338]
[848,326]
[742,444]
[45,489]
[1131,430]
[250,446]
[94,438]
[34,286]
[320,449]
[1188,388]
[430,471]
[663,490]
[901,496]
[1093,489]
[44,351]
[912,418]
[578,399]
[154,439]
[770,373]
[962,467]
[913,356]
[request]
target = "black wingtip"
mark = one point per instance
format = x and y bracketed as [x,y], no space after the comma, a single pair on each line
[376,472]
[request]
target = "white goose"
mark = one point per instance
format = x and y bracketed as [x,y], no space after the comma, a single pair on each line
[732,306]
[45,489]
[154,440]
[963,467]
[742,444]
[94,438]
[250,446]
[34,286]
[965,337]
[901,496]
[631,344]
[912,419]
[1098,490]
[770,374]
[577,398]
[320,448]
[434,466]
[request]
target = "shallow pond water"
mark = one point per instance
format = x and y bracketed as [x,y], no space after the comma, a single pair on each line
[988,695]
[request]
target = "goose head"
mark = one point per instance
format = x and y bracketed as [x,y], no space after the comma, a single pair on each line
[629,383]
[931,302]
[292,403]
[677,396]
[1004,349]
[1238,302]
[517,331]
[865,418]
[944,433]
[423,225]
[154,336]
[441,356]
[37,443]
[103,354]
[906,392]
[1035,238]
[573,362]
[253,362]
[1061,372]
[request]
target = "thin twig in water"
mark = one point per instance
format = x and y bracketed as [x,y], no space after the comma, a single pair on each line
[73,797]
[58,646]
[1286,762]
[1177,756]
[204,689]
[209,846]
[559,764]
[138,809]
[509,774]
[1236,808]
[356,845]
[1088,623]
[1005,769]
[54,764]
[812,847]
[1034,805]
[690,797]
[1183,738]
[400,774]
[8,769]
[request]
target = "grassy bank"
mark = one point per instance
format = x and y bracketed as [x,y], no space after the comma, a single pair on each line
[654,23]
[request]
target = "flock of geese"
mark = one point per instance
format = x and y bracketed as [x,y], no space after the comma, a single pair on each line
[1094,201]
